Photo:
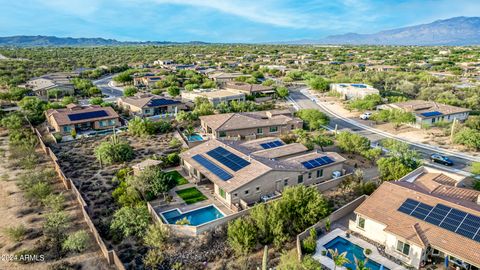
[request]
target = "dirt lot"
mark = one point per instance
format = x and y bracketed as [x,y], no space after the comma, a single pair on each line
[95,183]
[15,210]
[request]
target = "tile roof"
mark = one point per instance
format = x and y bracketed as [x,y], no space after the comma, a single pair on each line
[247,87]
[382,207]
[148,100]
[420,107]
[61,116]
[261,161]
[245,120]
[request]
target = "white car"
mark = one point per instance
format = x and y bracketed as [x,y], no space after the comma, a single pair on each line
[365,116]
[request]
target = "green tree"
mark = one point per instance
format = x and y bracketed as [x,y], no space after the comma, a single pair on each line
[261,216]
[130,91]
[12,122]
[96,101]
[173,91]
[322,140]
[131,220]
[370,102]
[156,236]
[55,228]
[468,137]
[339,259]
[242,235]
[33,108]
[114,151]
[352,142]
[282,92]
[153,182]
[318,83]
[313,119]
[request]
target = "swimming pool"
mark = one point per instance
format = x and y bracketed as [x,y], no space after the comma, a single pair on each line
[342,245]
[194,138]
[195,217]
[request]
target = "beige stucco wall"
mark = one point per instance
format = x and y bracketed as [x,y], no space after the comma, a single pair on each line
[376,231]
[282,129]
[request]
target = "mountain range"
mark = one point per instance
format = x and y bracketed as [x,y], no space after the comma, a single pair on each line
[52,41]
[454,32]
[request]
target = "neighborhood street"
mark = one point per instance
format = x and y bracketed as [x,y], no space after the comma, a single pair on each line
[304,102]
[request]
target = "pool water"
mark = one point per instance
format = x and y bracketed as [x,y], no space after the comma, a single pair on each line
[194,138]
[195,217]
[342,245]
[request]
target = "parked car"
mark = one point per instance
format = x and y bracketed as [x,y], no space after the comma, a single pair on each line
[441,159]
[365,116]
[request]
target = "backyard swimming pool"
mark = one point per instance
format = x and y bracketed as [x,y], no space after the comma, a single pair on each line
[195,217]
[342,245]
[194,138]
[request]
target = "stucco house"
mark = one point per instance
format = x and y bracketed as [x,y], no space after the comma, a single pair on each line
[82,118]
[250,125]
[429,112]
[147,105]
[353,90]
[425,218]
[250,89]
[214,96]
[244,173]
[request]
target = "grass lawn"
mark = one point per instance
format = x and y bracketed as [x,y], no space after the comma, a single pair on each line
[178,178]
[191,195]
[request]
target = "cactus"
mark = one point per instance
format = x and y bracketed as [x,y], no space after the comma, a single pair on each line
[265,258]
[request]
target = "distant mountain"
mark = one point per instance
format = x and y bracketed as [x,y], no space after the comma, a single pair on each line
[455,31]
[52,41]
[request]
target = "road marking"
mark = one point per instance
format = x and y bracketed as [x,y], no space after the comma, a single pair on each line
[386,134]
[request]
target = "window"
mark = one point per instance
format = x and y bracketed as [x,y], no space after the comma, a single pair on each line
[273,129]
[258,189]
[66,129]
[285,182]
[102,123]
[300,178]
[292,127]
[222,193]
[222,134]
[361,223]
[111,122]
[246,191]
[309,175]
[403,247]
[235,194]
[319,173]
[147,110]
[259,130]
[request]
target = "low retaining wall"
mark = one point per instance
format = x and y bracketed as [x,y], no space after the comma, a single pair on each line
[110,255]
[336,215]
[329,184]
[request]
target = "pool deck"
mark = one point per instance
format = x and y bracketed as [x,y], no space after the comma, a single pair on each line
[374,256]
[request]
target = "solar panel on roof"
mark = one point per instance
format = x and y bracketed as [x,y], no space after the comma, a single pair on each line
[86,115]
[213,168]
[430,114]
[228,158]
[446,217]
[317,162]
[269,145]
[161,102]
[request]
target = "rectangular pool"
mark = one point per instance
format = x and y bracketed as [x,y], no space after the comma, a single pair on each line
[343,245]
[195,217]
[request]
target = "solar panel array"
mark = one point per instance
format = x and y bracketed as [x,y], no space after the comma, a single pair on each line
[429,114]
[271,144]
[310,164]
[161,102]
[213,168]
[228,159]
[86,115]
[452,219]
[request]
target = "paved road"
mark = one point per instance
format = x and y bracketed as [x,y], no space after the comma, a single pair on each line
[106,86]
[304,102]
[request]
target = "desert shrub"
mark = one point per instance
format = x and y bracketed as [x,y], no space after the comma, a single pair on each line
[370,102]
[153,259]
[309,245]
[313,119]
[131,220]
[468,137]
[76,242]
[156,236]
[113,151]
[38,192]
[15,233]
[54,202]
[242,235]
[174,143]
[55,229]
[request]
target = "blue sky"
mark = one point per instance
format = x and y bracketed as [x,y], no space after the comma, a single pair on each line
[220,20]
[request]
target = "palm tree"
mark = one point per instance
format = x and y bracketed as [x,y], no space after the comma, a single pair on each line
[338,259]
[359,264]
